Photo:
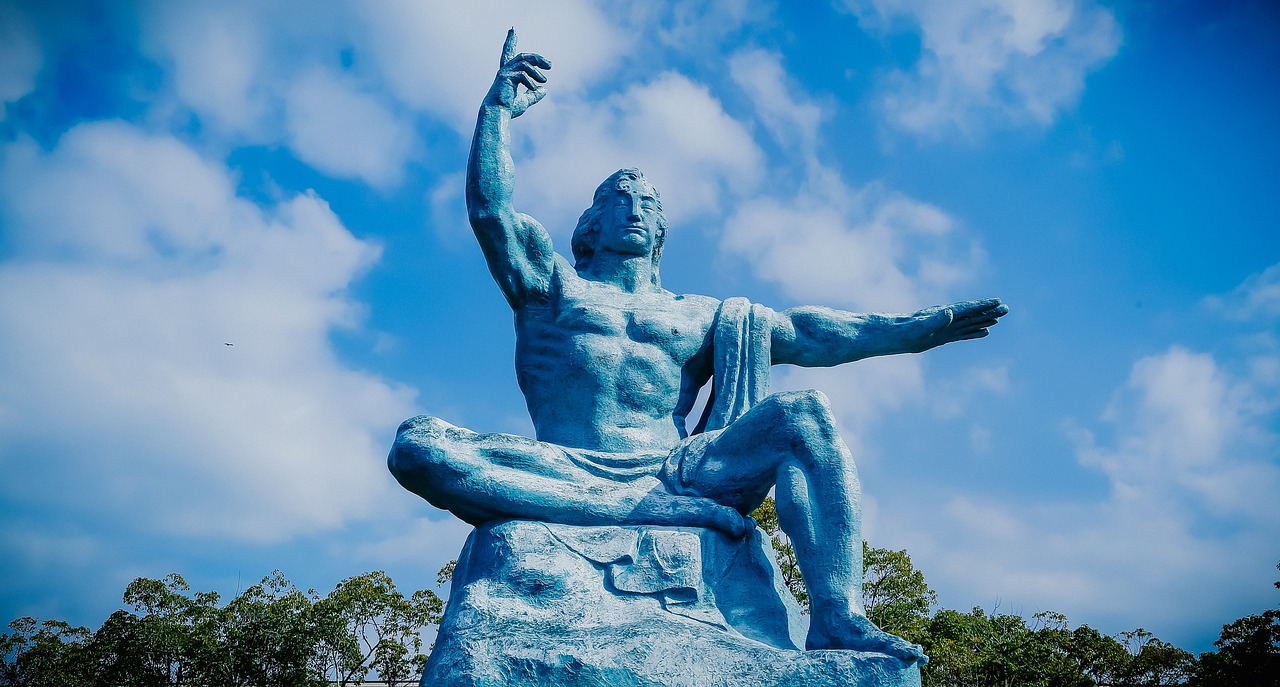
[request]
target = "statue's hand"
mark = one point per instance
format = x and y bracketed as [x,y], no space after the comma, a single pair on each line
[516,70]
[943,324]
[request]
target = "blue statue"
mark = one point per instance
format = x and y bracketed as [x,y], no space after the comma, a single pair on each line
[611,364]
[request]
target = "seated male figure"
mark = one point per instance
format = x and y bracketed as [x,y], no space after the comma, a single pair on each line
[610,364]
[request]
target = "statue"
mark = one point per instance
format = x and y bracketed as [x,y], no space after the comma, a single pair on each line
[610,364]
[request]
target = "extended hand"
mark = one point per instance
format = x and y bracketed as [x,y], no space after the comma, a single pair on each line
[516,70]
[943,324]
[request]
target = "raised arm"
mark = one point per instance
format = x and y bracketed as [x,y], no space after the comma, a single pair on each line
[517,248]
[820,337]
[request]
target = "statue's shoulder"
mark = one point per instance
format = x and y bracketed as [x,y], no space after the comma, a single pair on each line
[696,307]
[695,301]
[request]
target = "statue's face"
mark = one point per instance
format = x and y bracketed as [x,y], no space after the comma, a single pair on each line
[629,223]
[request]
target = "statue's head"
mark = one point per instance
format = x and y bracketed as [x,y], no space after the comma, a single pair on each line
[624,185]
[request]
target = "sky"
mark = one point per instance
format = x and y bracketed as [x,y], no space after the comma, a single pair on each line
[234,256]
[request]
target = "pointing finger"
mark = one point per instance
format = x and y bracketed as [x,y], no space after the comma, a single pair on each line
[509,48]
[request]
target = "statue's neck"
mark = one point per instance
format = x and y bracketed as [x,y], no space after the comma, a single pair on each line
[630,273]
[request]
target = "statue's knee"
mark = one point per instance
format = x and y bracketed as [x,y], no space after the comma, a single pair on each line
[805,419]
[418,449]
[803,407]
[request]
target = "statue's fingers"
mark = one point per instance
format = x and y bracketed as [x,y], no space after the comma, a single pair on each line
[981,324]
[529,69]
[991,314]
[525,78]
[534,58]
[526,99]
[977,320]
[509,47]
[978,334]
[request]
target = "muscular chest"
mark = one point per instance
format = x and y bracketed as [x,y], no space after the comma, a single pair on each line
[598,318]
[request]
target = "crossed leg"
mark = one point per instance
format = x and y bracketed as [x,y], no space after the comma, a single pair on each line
[789,439]
[485,477]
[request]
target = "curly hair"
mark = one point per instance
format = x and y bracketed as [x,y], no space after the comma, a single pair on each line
[588,229]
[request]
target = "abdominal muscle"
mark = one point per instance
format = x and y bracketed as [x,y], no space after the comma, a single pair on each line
[590,385]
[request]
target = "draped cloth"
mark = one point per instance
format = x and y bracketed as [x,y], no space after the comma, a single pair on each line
[741,348]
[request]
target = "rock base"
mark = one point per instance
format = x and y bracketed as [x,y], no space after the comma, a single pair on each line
[541,604]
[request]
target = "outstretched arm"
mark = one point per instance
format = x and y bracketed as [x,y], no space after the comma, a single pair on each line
[517,248]
[819,337]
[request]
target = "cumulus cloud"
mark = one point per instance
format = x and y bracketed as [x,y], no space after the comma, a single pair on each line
[441,57]
[220,62]
[338,129]
[861,394]
[254,74]
[1190,519]
[671,127]
[993,61]
[342,86]
[135,266]
[789,118]
[693,26]
[868,249]
[1255,299]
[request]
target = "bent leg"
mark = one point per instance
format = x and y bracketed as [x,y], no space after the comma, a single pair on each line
[484,477]
[789,439]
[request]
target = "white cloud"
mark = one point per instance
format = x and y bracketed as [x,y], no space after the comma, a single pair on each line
[136,264]
[1184,539]
[1187,431]
[693,26]
[221,61]
[870,249]
[992,61]
[790,119]
[1256,298]
[441,57]
[256,74]
[20,56]
[670,127]
[861,394]
[340,130]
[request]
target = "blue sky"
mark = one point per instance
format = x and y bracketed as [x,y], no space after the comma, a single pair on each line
[287,178]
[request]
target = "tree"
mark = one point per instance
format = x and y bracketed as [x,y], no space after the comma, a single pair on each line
[379,629]
[266,636]
[894,594]
[44,654]
[154,644]
[1154,662]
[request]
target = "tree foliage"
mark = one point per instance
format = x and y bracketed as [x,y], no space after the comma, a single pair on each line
[275,634]
[894,594]
[270,634]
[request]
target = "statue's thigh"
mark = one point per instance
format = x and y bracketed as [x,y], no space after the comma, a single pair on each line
[739,465]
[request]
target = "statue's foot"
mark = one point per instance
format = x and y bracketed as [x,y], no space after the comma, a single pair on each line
[860,634]
[731,522]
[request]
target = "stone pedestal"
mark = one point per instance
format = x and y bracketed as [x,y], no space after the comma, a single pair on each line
[543,604]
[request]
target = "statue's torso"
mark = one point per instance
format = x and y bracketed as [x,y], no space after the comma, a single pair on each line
[603,369]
